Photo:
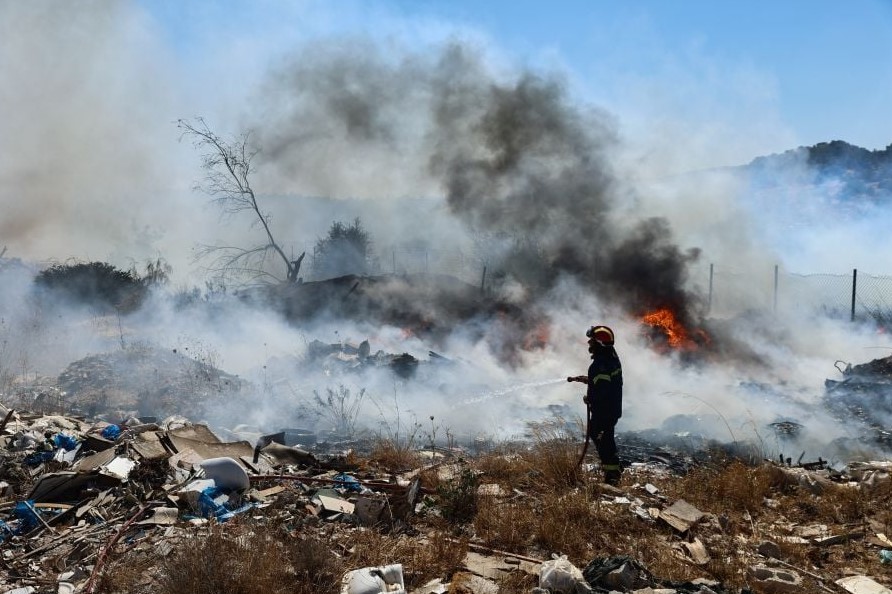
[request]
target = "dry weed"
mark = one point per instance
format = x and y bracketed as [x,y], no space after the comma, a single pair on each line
[507,525]
[131,573]
[554,456]
[393,456]
[315,566]
[567,523]
[236,560]
[244,559]
[734,487]
[423,559]
[501,467]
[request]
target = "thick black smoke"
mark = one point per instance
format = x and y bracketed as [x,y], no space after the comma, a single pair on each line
[514,155]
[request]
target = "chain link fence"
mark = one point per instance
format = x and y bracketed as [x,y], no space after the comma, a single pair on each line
[726,290]
[855,296]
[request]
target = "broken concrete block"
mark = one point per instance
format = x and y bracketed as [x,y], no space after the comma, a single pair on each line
[468,583]
[775,581]
[836,539]
[492,490]
[162,516]
[335,504]
[681,515]
[696,551]
[860,584]
[369,509]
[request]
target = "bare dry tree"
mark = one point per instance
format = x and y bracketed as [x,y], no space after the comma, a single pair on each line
[228,170]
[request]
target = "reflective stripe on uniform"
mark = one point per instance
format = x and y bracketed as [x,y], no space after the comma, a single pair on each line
[607,376]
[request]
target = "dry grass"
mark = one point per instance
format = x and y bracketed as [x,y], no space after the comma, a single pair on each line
[732,486]
[507,525]
[547,507]
[241,559]
[553,458]
[423,559]
[393,456]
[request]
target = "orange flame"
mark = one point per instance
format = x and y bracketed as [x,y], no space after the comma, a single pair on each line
[665,320]
[537,338]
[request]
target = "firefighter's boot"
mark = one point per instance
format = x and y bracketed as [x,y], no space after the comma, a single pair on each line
[612,475]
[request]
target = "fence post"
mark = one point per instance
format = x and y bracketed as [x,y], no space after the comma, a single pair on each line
[483,280]
[775,288]
[854,285]
[709,303]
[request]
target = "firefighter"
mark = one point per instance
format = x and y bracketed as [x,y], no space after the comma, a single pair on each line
[604,398]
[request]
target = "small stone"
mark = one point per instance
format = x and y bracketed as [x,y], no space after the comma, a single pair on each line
[769,549]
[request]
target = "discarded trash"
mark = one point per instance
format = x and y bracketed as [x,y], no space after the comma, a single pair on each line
[111,432]
[348,482]
[226,473]
[66,442]
[560,576]
[374,580]
[885,556]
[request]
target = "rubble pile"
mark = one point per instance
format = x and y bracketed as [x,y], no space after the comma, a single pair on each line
[79,498]
[343,357]
[864,394]
[145,379]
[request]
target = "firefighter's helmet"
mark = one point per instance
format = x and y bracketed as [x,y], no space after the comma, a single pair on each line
[600,334]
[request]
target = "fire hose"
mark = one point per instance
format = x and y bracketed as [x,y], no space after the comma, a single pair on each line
[588,427]
[588,417]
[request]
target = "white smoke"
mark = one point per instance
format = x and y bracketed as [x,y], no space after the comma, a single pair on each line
[92,169]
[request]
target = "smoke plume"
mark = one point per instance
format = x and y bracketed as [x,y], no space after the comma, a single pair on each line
[514,156]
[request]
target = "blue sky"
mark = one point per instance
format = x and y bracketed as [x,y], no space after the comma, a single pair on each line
[794,73]
[94,90]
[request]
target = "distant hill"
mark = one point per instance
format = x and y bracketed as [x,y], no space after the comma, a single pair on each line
[855,172]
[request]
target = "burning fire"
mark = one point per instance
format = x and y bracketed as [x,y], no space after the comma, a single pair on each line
[677,336]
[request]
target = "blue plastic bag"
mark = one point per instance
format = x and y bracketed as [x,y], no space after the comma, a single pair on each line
[348,482]
[111,432]
[66,442]
[210,508]
[27,516]
[35,458]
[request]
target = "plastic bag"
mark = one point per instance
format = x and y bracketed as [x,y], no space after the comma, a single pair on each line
[559,576]
[111,432]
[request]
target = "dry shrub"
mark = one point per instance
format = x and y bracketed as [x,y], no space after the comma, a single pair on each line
[423,559]
[842,504]
[508,525]
[734,487]
[517,582]
[728,564]
[246,559]
[566,524]
[457,499]
[501,467]
[316,568]
[131,573]
[226,559]
[393,456]
[554,456]
[878,502]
